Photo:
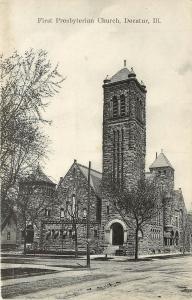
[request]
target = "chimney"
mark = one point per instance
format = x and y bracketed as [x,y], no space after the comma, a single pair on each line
[75,161]
[156,155]
[125,63]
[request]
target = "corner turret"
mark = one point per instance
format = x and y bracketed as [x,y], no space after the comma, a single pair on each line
[162,169]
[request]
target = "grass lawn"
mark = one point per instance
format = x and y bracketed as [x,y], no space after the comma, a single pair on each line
[12,273]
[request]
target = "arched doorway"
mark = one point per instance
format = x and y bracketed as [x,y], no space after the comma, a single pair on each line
[117,234]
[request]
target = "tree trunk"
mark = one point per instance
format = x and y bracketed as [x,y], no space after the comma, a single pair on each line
[136,244]
[76,244]
[41,236]
[24,245]
[184,239]
[183,244]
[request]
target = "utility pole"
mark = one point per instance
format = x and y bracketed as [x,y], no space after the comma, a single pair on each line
[62,237]
[88,218]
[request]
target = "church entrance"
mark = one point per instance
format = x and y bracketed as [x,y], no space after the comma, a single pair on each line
[117,234]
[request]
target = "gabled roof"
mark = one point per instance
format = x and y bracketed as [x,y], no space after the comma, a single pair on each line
[120,75]
[95,178]
[160,162]
[39,176]
[7,218]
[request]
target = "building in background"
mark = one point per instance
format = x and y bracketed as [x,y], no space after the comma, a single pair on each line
[36,200]
[9,232]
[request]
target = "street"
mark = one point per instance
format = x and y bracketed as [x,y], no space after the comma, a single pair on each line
[116,278]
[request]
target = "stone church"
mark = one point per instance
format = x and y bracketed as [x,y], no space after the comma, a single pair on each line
[124,151]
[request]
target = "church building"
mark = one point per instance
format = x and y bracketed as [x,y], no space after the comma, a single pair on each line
[124,151]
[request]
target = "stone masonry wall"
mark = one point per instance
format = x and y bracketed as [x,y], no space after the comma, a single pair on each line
[74,183]
[134,135]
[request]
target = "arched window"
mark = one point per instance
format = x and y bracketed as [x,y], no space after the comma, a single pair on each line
[118,157]
[181,217]
[47,212]
[115,107]
[84,212]
[74,206]
[73,203]
[114,155]
[158,217]
[8,235]
[122,106]
[118,150]
[62,212]
[122,156]
[139,110]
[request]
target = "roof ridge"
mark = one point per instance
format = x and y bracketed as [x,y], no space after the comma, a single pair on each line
[166,158]
[10,214]
[88,168]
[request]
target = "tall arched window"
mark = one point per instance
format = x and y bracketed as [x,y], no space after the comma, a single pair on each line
[122,106]
[118,156]
[62,212]
[115,107]
[114,155]
[118,150]
[74,206]
[181,217]
[139,110]
[122,155]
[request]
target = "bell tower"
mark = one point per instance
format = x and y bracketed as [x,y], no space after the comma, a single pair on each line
[124,128]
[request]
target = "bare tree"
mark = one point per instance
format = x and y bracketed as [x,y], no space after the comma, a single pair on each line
[137,207]
[72,211]
[26,84]
[32,201]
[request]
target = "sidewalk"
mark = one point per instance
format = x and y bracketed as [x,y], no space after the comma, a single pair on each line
[93,256]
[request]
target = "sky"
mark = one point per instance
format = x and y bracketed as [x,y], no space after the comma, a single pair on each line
[161,55]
